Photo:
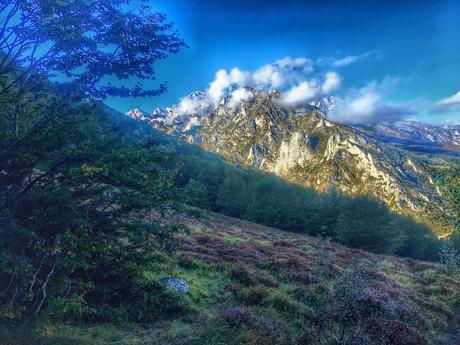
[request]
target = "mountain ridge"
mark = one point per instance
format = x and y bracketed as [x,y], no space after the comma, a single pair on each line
[301,145]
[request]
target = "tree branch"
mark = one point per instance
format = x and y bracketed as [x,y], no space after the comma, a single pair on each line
[10,15]
[28,70]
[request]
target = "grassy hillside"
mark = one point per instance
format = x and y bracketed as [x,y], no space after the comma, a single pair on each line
[251,284]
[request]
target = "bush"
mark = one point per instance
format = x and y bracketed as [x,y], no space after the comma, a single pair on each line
[196,194]
[449,259]
[348,310]
[238,316]
[253,295]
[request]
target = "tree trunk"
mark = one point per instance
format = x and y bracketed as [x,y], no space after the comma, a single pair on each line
[45,284]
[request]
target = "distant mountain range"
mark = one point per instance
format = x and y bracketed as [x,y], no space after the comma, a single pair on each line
[397,163]
[417,136]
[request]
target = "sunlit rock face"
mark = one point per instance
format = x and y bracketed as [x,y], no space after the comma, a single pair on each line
[301,145]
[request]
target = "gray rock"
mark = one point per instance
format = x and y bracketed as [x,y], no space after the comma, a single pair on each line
[176,285]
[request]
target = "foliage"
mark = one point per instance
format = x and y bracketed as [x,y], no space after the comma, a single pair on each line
[196,194]
[448,178]
[78,181]
[84,42]
[368,225]
[73,199]
[449,258]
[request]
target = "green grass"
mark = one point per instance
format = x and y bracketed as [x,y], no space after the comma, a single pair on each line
[307,248]
[277,306]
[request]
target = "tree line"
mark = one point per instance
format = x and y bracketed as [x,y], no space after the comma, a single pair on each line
[360,222]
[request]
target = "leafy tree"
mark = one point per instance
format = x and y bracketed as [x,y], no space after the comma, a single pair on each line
[449,182]
[85,41]
[232,195]
[454,238]
[73,203]
[196,194]
[85,45]
[262,205]
[419,241]
[78,181]
[367,224]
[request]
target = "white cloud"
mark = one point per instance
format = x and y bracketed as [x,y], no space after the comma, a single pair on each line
[288,62]
[350,59]
[301,93]
[224,80]
[368,105]
[269,76]
[298,78]
[449,106]
[281,74]
[188,105]
[366,100]
[217,87]
[331,82]
[239,77]
[301,81]
[454,99]
[357,106]
[194,104]
[347,60]
[240,95]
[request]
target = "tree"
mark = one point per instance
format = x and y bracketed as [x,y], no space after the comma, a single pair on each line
[449,259]
[262,202]
[419,241]
[77,181]
[85,41]
[367,224]
[232,195]
[73,204]
[196,194]
[83,44]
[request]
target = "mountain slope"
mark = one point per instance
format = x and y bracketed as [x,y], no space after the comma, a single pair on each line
[251,284]
[301,145]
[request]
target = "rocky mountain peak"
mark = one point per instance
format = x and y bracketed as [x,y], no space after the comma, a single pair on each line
[138,114]
[300,144]
[325,104]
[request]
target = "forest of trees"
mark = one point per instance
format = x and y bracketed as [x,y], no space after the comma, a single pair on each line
[205,181]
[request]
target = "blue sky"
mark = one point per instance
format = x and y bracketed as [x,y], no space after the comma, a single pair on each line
[406,53]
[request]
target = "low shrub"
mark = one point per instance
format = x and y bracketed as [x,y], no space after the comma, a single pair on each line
[238,316]
[253,295]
